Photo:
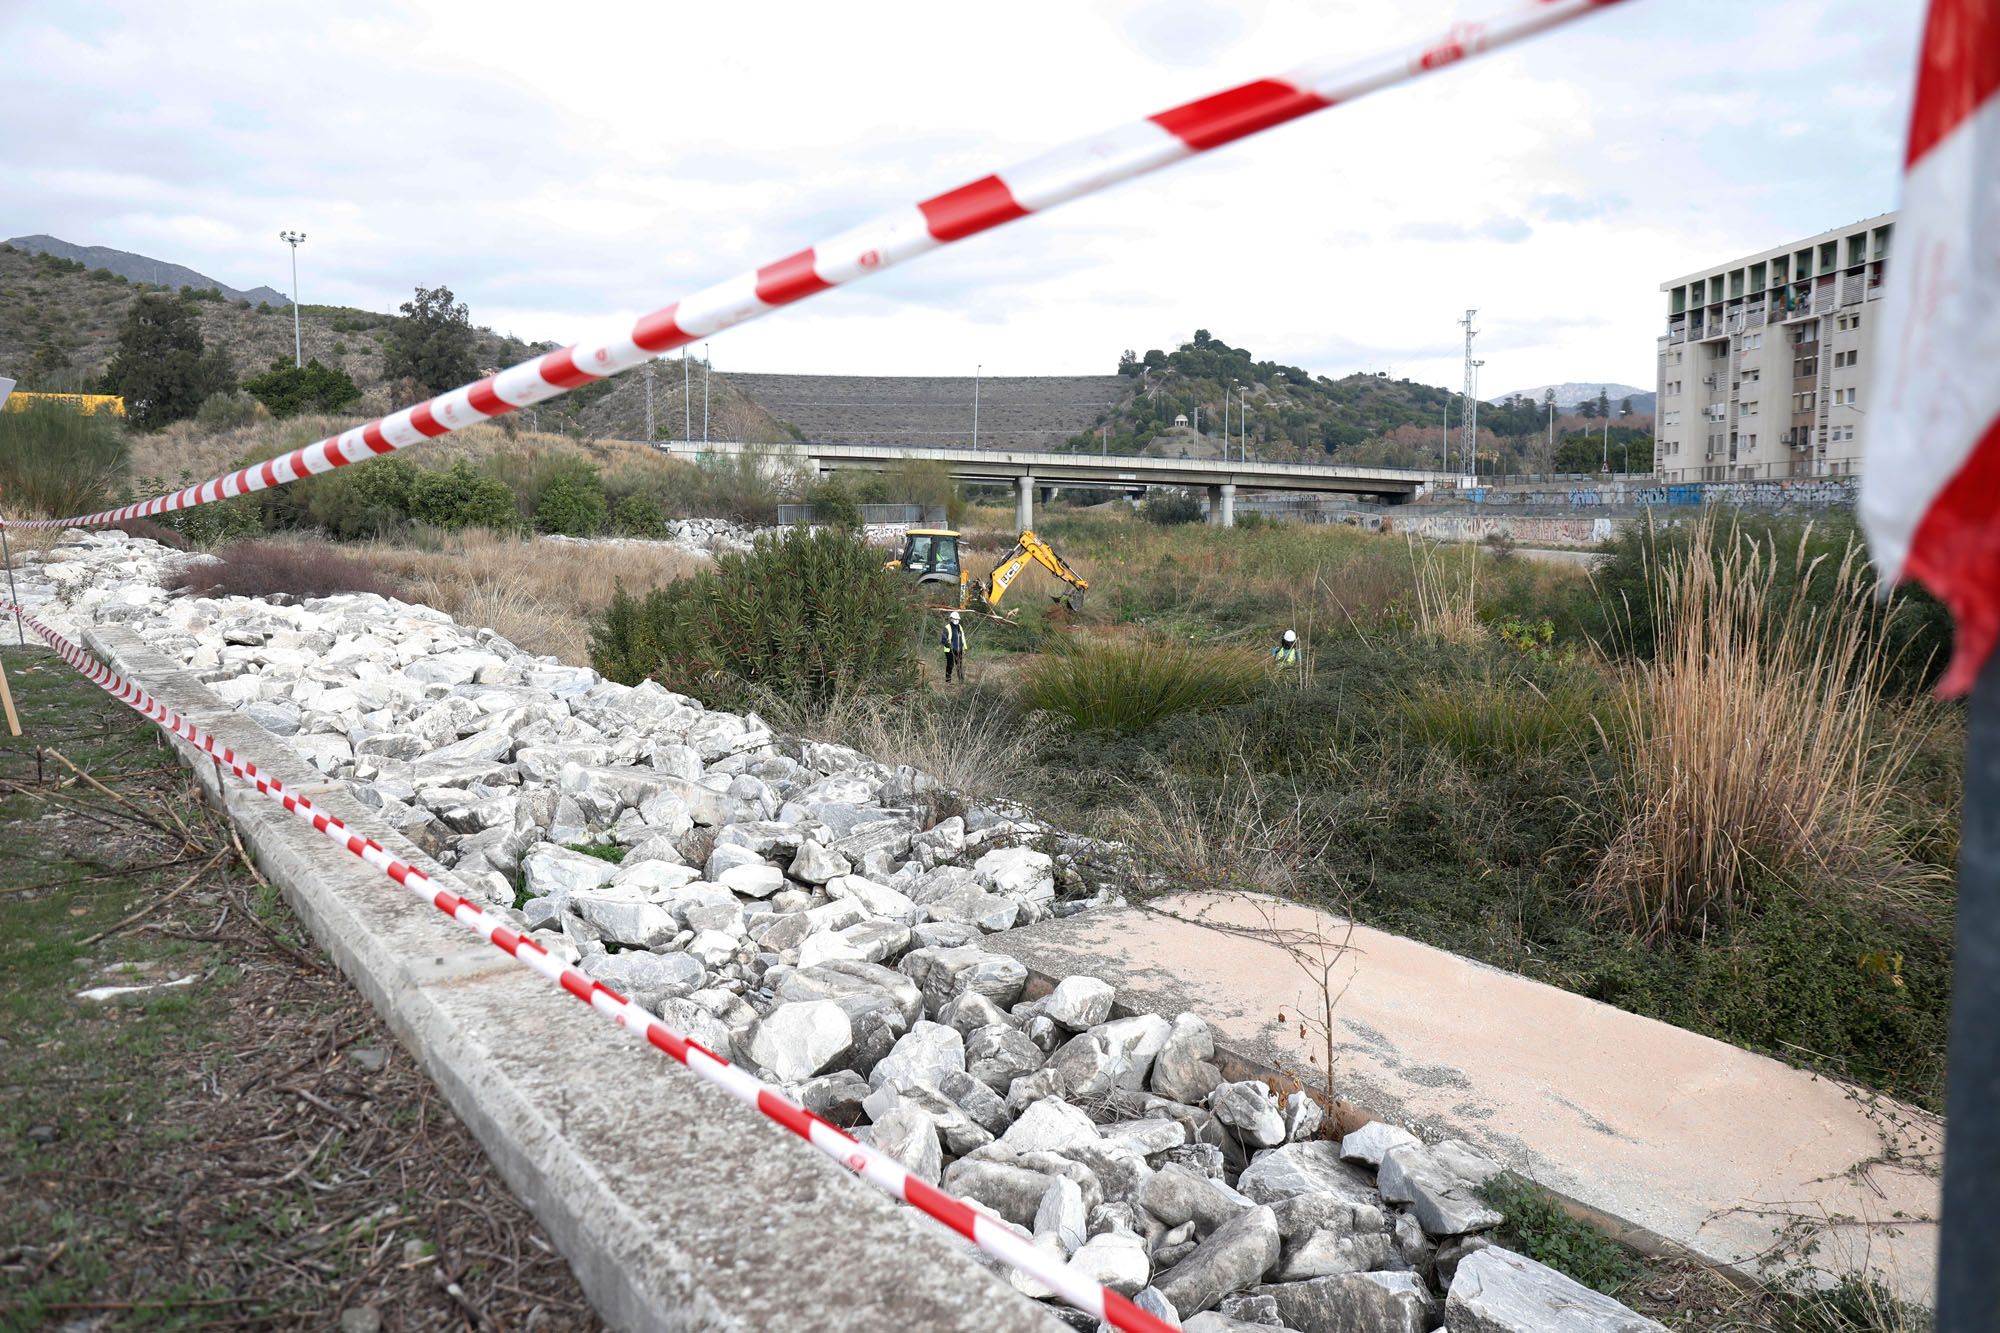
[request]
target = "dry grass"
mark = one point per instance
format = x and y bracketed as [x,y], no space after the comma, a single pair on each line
[1251,832]
[1446,580]
[538,595]
[973,744]
[259,569]
[1758,745]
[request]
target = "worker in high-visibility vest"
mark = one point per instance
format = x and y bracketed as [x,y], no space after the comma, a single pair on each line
[1287,651]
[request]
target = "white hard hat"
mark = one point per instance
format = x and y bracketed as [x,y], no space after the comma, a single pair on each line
[954,617]
[1291,635]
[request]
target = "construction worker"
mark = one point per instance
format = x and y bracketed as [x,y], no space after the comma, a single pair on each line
[953,643]
[1287,651]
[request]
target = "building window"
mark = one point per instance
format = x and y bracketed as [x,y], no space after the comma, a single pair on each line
[1748,409]
[1752,376]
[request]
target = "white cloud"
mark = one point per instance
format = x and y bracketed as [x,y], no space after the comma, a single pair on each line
[560,169]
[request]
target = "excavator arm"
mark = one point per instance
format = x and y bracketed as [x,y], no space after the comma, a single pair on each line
[1026,548]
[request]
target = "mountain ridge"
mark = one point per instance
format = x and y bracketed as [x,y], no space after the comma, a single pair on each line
[1572,393]
[142,268]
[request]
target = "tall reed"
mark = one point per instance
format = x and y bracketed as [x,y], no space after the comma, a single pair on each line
[1447,591]
[1757,746]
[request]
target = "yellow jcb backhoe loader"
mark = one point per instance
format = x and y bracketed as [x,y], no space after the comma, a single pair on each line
[932,555]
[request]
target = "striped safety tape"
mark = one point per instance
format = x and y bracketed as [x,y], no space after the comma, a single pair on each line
[1076,169]
[995,1237]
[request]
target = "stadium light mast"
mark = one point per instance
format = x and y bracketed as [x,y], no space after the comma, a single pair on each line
[1475,418]
[295,239]
[687,398]
[1468,417]
[707,367]
[975,405]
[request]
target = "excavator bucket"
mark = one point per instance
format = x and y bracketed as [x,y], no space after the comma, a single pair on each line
[1075,598]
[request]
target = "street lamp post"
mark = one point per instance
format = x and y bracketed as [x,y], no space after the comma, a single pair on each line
[295,239]
[975,405]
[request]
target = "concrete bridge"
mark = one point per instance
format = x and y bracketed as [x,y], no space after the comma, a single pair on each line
[1028,470]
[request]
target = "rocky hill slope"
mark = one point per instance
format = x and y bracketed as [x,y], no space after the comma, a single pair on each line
[141,268]
[62,319]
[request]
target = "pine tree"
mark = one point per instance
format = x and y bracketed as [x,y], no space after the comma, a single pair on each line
[432,344]
[162,367]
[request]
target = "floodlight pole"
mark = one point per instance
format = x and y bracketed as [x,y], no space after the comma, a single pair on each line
[706,367]
[975,405]
[295,239]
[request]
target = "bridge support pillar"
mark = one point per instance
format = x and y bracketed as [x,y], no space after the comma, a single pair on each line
[1024,505]
[1222,505]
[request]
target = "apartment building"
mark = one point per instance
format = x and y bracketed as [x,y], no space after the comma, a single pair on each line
[1765,360]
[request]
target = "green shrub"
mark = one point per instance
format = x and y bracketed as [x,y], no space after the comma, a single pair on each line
[603,851]
[571,502]
[1852,1305]
[364,500]
[835,504]
[805,617]
[1498,718]
[1124,688]
[639,516]
[289,390]
[206,525]
[58,461]
[1538,1227]
[462,497]
[226,411]
[1168,507]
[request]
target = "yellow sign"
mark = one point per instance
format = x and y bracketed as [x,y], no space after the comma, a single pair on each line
[89,404]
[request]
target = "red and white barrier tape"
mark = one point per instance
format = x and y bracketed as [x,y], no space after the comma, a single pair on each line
[1076,169]
[991,1235]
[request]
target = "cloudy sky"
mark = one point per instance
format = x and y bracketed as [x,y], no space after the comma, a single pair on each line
[562,166]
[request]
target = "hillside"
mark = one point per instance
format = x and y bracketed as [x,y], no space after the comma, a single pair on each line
[1294,415]
[59,328]
[141,268]
[616,408]
[1290,412]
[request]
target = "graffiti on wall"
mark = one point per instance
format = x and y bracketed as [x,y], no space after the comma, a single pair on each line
[1802,493]
[1531,531]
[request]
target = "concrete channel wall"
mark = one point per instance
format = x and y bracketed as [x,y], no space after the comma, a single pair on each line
[678,1208]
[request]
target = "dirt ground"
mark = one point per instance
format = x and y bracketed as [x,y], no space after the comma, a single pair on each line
[244,1145]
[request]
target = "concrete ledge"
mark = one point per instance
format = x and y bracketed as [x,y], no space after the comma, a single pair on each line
[1675,1142]
[677,1207]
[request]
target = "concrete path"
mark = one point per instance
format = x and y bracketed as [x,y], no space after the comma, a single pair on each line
[1555,555]
[1664,1134]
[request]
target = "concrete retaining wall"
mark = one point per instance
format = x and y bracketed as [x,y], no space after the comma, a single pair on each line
[678,1208]
[1460,526]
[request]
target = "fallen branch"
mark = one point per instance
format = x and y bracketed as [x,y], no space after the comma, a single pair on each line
[157,904]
